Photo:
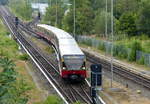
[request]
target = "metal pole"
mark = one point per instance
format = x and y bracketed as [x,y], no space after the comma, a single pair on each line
[50,3]
[106,24]
[56,14]
[38,6]
[106,20]
[112,34]
[74,30]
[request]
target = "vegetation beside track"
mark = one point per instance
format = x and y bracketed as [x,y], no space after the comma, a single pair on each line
[17,86]
[21,8]
[131,24]
[13,87]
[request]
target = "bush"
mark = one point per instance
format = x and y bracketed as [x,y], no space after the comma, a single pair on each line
[77,102]
[53,100]
[24,57]
[87,42]
[141,60]
[122,51]
[101,46]
[135,45]
[12,89]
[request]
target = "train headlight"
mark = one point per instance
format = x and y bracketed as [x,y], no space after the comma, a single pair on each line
[83,68]
[64,68]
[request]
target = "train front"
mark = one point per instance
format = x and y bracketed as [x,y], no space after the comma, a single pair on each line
[74,67]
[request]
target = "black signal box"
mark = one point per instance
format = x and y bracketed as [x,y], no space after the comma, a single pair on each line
[96,75]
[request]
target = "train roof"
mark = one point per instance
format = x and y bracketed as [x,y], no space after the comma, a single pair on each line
[67,44]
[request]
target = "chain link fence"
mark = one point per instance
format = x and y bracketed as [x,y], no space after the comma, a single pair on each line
[118,50]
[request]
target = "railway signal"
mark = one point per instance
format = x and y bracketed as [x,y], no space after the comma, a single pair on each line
[96,75]
[39,15]
[96,80]
[16,21]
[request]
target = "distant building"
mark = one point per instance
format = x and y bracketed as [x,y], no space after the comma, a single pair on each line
[39,6]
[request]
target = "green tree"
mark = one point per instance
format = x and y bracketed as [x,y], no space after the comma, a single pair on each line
[121,6]
[127,23]
[84,17]
[99,21]
[21,8]
[50,16]
[144,17]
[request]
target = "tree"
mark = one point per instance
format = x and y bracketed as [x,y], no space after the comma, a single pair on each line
[121,6]
[127,23]
[22,8]
[99,21]
[84,17]
[144,18]
[50,16]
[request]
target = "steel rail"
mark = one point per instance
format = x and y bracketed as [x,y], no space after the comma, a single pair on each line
[121,72]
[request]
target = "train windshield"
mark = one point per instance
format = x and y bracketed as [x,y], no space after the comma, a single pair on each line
[74,62]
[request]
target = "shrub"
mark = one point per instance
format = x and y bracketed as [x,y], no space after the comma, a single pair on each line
[49,50]
[87,42]
[53,100]
[24,57]
[122,52]
[141,60]
[135,45]
[77,102]
[101,46]
[12,89]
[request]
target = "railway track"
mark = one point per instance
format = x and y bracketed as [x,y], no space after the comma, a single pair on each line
[127,74]
[70,92]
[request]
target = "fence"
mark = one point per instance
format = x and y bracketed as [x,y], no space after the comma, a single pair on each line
[118,50]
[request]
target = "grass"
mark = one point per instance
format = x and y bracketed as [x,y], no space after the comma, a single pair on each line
[8,47]
[52,99]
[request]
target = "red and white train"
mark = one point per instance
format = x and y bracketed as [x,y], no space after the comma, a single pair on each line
[72,61]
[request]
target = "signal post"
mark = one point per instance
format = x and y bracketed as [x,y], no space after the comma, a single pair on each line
[96,81]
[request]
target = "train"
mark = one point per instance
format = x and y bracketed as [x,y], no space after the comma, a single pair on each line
[71,59]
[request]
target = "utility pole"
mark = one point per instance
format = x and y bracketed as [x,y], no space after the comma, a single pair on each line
[106,21]
[50,2]
[74,30]
[38,5]
[56,14]
[112,39]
